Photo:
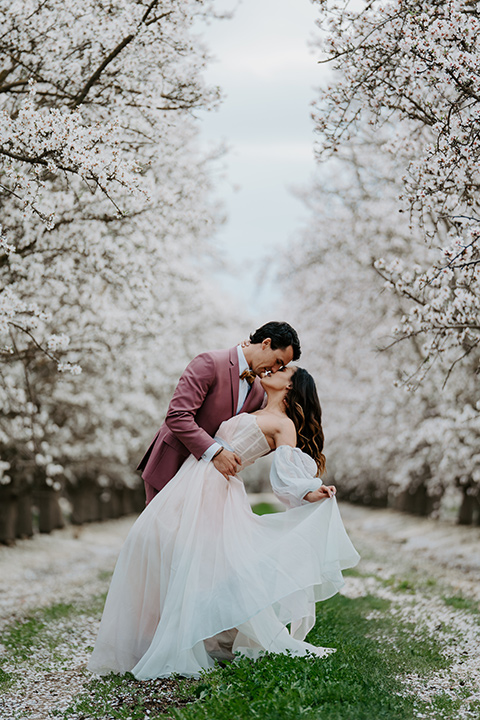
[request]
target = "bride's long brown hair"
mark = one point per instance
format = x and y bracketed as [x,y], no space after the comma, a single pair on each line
[303,407]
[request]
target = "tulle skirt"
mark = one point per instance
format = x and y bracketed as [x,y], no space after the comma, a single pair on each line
[199,570]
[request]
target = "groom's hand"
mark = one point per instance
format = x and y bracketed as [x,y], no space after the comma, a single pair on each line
[227,463]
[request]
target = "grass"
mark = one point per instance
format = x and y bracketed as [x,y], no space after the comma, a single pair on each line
[358,682]
[362,680]
[6,680]
[22,636]
[462,603]
[263,508]
[354,572]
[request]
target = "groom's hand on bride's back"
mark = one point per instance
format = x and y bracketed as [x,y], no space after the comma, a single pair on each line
[227,463]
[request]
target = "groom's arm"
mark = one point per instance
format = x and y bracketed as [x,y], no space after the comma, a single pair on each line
[188,397]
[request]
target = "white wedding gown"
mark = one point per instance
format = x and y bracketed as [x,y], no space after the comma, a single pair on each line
[198,562]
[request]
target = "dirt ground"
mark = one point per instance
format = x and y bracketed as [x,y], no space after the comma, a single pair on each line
[404,543]
[66,566]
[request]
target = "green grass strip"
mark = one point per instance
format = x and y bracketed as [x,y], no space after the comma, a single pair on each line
[358,682]
[461,603]
[22,636]
[264,508]
[5,680]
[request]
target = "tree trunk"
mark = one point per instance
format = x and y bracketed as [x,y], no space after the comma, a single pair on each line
[139,498]
[477,509]
[104,504]
[420,500]
[24,525]
[465,513]
[115,509]
[127,501]
[49,512]
[92,511]
[404,501]
[78,500]
[8,516]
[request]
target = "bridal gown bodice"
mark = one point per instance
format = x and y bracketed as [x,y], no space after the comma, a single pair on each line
[243,435]
[198,563]
[293,473]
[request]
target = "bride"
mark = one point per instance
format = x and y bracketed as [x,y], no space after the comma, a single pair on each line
[200,577]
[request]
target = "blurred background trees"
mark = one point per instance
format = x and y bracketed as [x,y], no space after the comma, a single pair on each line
[107,216]
[106,250]
[391,255]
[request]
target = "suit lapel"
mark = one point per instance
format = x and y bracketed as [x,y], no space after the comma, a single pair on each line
[234,378]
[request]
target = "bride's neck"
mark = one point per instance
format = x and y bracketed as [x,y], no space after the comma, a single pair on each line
[275,403]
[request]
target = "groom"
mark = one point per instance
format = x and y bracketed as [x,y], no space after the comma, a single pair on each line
[214,387]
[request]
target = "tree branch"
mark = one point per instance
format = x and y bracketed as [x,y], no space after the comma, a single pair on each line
[403,292]
[80,97]
[9,86]
[459,359]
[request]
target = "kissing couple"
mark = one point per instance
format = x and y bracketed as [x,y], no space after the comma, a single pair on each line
[200,577]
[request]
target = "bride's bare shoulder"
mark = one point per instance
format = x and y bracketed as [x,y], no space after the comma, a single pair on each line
[279,427]
[287,434]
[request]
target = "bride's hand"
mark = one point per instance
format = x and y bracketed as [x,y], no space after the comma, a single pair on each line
[245,343]
[324,491]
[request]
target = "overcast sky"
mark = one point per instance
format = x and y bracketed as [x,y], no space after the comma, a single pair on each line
[268,75]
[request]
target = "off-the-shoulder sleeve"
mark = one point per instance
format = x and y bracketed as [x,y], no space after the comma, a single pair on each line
[293,475]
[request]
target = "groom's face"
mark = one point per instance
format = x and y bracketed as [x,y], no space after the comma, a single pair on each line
[268,360]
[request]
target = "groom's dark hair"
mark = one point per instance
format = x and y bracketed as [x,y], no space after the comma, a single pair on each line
[281,334]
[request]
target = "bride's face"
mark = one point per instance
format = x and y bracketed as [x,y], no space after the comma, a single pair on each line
[279,381]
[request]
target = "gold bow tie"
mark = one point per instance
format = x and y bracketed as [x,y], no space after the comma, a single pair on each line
[249,376]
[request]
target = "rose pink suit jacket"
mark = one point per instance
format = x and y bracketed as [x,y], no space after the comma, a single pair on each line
[206,395]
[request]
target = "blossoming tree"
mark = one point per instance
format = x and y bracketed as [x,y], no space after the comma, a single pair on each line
[106,218]
[392,252]
[415,66]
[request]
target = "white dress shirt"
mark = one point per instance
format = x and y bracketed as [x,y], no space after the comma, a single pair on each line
[243,389]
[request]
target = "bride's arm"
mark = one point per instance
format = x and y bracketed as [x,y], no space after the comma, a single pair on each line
[287,435]
[291,470]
